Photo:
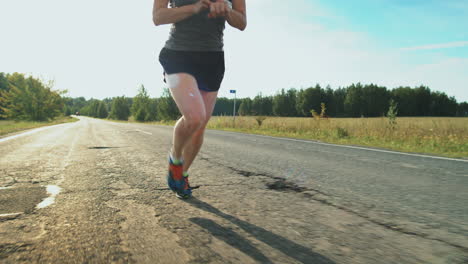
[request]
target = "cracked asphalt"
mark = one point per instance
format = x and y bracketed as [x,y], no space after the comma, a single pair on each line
[259,200]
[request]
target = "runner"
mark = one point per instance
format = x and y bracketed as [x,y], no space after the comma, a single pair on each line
[193,62]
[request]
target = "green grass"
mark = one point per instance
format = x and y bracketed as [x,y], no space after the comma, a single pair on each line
[9,126]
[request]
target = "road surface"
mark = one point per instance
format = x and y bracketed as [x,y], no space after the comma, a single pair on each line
[94,192]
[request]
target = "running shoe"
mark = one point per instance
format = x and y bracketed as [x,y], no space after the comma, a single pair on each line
[185,192]
[175,179]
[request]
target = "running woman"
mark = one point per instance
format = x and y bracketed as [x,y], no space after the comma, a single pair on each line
[193,62]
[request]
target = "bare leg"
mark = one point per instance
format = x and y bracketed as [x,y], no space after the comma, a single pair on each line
[189,100]
[192,147]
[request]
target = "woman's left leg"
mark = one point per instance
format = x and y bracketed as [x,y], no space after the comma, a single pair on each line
[192,147]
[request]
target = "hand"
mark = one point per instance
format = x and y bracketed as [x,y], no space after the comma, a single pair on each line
[200,5]
[220,8]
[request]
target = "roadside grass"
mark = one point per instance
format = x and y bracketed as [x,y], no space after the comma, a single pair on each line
[10,126]
[444,136]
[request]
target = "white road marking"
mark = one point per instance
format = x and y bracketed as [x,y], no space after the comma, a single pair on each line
[354,147]
[148,133]
[32,132]
[9,215]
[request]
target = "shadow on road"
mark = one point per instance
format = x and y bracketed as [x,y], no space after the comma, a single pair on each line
[288,247]
[102,147]
[231,238]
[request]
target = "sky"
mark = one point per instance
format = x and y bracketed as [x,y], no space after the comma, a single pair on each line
[100,49]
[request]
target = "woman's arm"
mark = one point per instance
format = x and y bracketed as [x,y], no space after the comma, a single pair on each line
[164,15]
[237,17]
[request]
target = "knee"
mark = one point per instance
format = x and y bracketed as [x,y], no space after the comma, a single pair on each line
[195,122]
[197,138]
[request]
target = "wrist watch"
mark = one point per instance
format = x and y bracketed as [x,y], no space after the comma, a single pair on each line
[229,3]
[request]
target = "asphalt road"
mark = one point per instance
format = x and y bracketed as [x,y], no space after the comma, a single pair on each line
[94,192]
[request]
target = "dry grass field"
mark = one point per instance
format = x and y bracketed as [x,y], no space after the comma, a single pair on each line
[441,136]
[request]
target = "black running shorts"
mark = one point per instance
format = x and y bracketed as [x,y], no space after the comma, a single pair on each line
[206,66]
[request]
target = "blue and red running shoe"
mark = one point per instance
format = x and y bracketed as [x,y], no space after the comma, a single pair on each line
[185,192]
[176,180]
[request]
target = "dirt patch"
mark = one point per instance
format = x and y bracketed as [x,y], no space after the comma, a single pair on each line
[17,200]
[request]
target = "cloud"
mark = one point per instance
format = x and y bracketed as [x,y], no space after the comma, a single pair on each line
[285,45]
[455,44]
[275,53]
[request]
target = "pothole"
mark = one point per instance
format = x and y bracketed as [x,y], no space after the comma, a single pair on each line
[16,201]
[284,185]
[22,199]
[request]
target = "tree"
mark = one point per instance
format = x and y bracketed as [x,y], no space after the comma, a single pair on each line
[442,105]
[280,104]
[141,105]
[392,113]
[330,101]
[91,109]
[284,103]
[245,107]
[309,99]
[119,109]
[354,103]
[166,107]
[223,106]
[375,100]
[262,105]
[67,110]
[77,104]
[102,110]
[338,109]
[422,101]
[4,87]
[152,114]
[405,97]
[30,99]
[462,109]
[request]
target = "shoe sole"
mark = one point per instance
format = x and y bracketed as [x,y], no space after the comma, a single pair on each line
[183,196]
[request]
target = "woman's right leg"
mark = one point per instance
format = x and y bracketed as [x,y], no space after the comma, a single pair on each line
[184,90]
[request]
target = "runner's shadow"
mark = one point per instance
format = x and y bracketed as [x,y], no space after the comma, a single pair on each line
[232,238]
[288,247]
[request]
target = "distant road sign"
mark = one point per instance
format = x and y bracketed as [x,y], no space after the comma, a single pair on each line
[232,91]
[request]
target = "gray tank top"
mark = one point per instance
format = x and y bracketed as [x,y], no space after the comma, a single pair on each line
[196,33]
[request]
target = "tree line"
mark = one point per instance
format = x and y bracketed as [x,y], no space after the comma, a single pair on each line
[356,100]
[141,107]
[28,98]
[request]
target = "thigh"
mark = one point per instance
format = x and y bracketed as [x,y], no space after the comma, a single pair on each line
[209,99]
[184,90]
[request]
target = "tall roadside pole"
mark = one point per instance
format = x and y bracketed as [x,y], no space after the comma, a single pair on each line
[234,110]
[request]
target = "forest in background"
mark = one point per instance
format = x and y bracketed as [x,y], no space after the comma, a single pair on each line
[27,98]
[356,100]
